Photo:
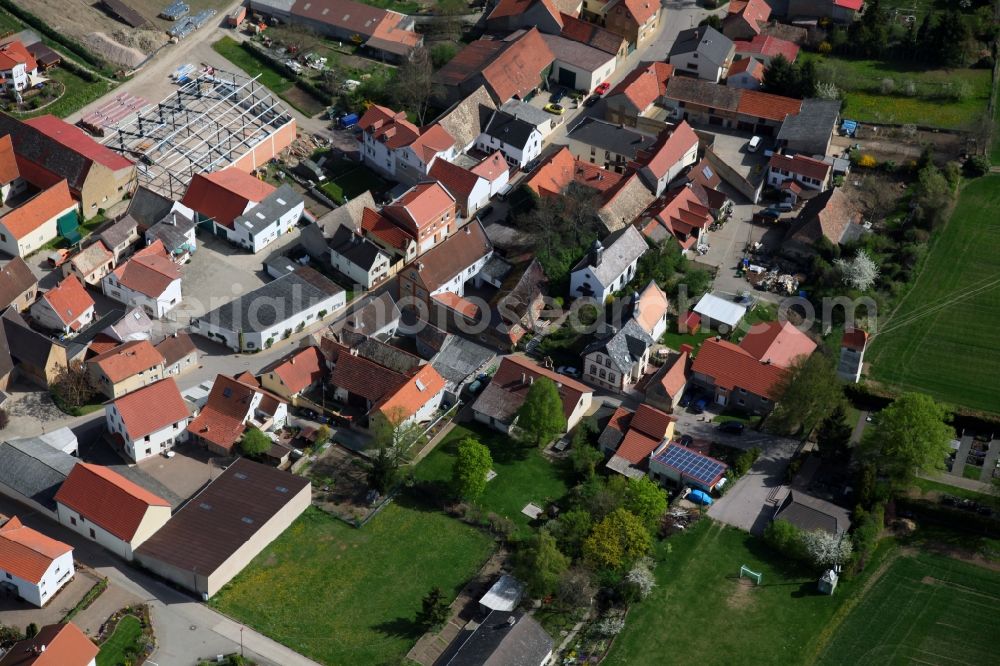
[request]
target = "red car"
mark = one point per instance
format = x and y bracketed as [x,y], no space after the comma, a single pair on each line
[602,88]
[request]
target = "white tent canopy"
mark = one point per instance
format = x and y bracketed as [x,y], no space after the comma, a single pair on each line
[720,311]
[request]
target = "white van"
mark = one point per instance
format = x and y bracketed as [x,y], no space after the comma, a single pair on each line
[753,144]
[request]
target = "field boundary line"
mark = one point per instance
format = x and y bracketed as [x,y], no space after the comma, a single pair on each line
[844,611]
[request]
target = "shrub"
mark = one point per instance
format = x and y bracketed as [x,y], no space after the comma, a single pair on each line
[867,161]
[785,538]
[825,47]
[976,166]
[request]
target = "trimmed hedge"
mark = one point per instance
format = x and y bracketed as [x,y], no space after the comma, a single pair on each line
[41,26]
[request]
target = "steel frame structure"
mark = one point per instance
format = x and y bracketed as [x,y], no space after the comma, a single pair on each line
[205,125]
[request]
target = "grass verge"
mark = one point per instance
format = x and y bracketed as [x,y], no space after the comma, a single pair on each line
[272,79]
[342,595]
[941,338]
[88,599]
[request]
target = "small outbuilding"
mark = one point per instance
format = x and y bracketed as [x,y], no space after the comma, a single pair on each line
[505,595]
[717,312]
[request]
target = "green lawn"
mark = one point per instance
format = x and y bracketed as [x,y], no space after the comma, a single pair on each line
[342,595]
[925,609]
[127,636]
[674,340]
[972,472]
[700,613]
[347,179]
[77,94]
[863,99]
[272,79]
[942,338]
[523,473]
[931,489]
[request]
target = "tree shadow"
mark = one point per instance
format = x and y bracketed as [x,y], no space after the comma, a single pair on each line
[401,627]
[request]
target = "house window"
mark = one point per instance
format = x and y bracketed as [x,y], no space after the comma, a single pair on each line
[607,362]
[9,577]
[603,373]
[593,369]
[72,520]
[93,535]
[743,391]
[611,376]
[741,401]
[764,400]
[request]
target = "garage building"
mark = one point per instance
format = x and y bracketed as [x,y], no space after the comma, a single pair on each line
[220,530]
[578,66]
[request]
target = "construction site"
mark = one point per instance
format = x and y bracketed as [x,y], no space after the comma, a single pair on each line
[215,120]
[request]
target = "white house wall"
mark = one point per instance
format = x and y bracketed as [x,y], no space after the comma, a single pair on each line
[33,240]
[255,340]
[151,445]
[59,573]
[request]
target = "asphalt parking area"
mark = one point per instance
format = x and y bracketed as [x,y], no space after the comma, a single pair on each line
[185,473]
[215,276]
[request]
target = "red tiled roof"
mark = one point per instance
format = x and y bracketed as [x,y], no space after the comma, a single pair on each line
[74,138]
[137,416]
[64,645]
[590,34]
[102,343]
[855,339]
[620,419]
[518,69]
[409,398]
[681,213]
[776,342]
[469,61]
[221,420]
[636,446]
[669,151]
[644,85]
[127,360]
[38,210]
[301,369]
[360,376]
[676,376]
[506,8]
[388,126]
[849,4]
[69,300]
[651,421]
[463,306]
[149,271]
[766,105]
[433,140]
[754,12]
[730,367]
[458,181]
[452,256]
[491,167]
[421,206]
[508,377]
[378,225]
[8,163]
[107,498]
[175,347]
[224,195]
[802,165]
[751,66]
[652,306]
[769,47]
[15,53]
[557,172]
[641,10]
[26,553]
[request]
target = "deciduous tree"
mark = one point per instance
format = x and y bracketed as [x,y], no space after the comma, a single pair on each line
[576,589]
[540,564]
[570,529]
[254,443]
[808,392]
[394,438]
[859,273]
[541,417]
[646,499]
[617,542]
[414,84]
[71,387]
[834,435]
[825,549]
[910,435]
[473,462]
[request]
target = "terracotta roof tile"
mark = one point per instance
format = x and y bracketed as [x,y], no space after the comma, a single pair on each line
[652,306]
[766,105]
[128,360]
[222,419]
[421,206]
[560,169]
[778,343]
[26,553]
[751,66]
[409,398]
[300,369]
[69,300]
[102,343]
[458,181]
[669,150]
[463,306]
[508,377]
[452,255]
[363,377]
[150,271]
[753,13]
[433,140]
[14,53]
[651,421]
[636,446]
[506,8]
[492,167]
[675,377]
[802,165]
[517,70]
[137,416]
[75,139]
[65,645]
[644,85]
[768,47]
[38,210]
[855,339]
[224,195]
[8,164]
[731,367]
[381,227]
[591,34]
[641,10]
[107,499]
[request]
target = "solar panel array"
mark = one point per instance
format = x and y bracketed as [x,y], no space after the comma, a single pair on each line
[691,463]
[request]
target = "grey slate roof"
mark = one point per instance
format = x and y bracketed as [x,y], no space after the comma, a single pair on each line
[460,357]
[26,345]
[267,212]
[34,469]
[607,136]
[526,112]
[291,293]
[387,355]
[579,55]
[359,250]
[705,93]
[815,121]
[626,203]
[706,41]
[810,513]
[503,638]
[625,347]
[620,249]
[508,129]
[315,237]
[119,232]
[147,207]
[376,314]
[15,279]
[171,230]
[498,403]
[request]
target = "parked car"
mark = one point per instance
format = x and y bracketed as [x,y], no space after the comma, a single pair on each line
[753,145]
[557,95]
[698,407]
[568,370]
[689,396]
[732,427]
[602,88]
[557,109]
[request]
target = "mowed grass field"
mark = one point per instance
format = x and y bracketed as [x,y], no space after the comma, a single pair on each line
[942,339]
[862,80]
[523,473]
[924,609]
[342,595]
[701,613]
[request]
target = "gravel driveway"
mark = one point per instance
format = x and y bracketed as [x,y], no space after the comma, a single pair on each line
[750,503]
